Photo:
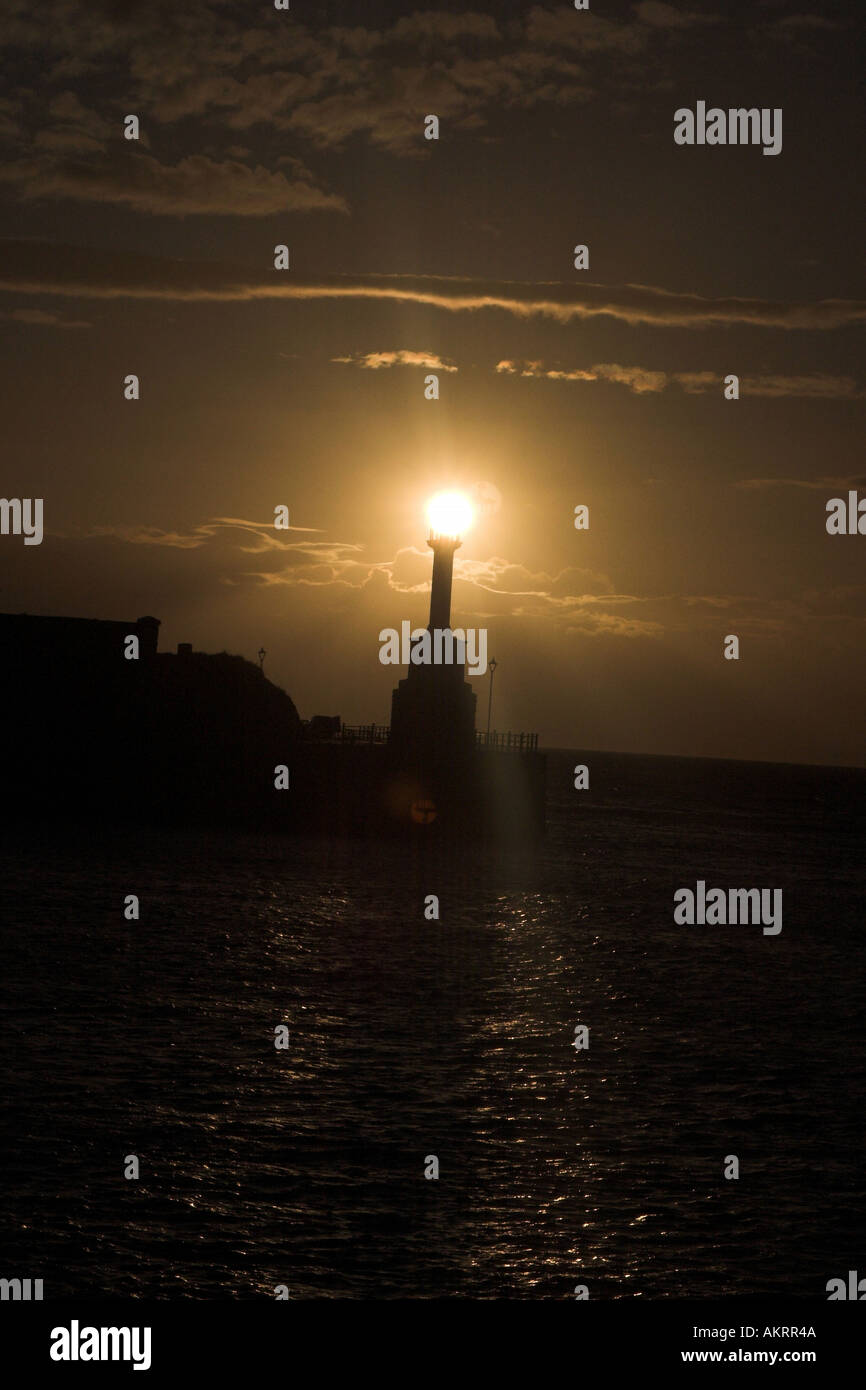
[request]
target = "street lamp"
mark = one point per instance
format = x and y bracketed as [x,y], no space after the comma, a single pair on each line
[493,665]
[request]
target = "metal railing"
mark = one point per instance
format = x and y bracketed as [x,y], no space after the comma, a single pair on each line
[497,742]
[506,743]
[364,733]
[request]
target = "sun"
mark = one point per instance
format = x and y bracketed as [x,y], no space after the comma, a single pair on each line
[450,514]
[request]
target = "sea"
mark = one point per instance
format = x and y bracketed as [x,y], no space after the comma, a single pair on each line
[431,1130]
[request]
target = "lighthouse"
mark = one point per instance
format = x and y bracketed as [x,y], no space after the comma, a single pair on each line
[443,548]
[437,780]
[433,708]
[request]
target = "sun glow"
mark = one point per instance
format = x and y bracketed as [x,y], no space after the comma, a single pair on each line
[450,514]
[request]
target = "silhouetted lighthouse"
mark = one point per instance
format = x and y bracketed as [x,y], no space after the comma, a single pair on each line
[433,707]
[443,548]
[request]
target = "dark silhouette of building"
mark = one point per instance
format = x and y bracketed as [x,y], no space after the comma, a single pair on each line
[323,726]
[160,737]
[439,778]
[29,640]
[192,738]
[433,707]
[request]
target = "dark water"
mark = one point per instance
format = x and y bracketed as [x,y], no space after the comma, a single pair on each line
[412,1038]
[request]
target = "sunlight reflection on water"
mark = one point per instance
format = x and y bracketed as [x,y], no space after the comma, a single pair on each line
[451,1038]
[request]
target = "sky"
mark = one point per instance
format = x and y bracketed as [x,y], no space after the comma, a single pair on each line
[558,386]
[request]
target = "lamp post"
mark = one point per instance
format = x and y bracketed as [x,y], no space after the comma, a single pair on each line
[493,665]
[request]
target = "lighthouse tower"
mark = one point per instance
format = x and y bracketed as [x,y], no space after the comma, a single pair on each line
[443,548]
[433,707]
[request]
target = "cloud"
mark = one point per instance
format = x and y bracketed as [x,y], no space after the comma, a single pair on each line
[72,129]
[537,369]
[588,33]
[637,379]
[239,67]
[822,484]
[10,111]
[500,576]
[42,319]
[195,185]
[464,92]
[696,383]
[798,22]
[613,625]
[403,357]
[643,380]
[343,577]
[267,537]
[440,25]
[780,616]
[39,267]
[818,386]
[576,599]
[662,16]
[814,385]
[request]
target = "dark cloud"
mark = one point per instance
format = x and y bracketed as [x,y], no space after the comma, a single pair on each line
[810,484]
[195,185]
[800,22]
[662,16]
[39,267]
[41,318]
[815,385]
[560,27]
[245,67]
